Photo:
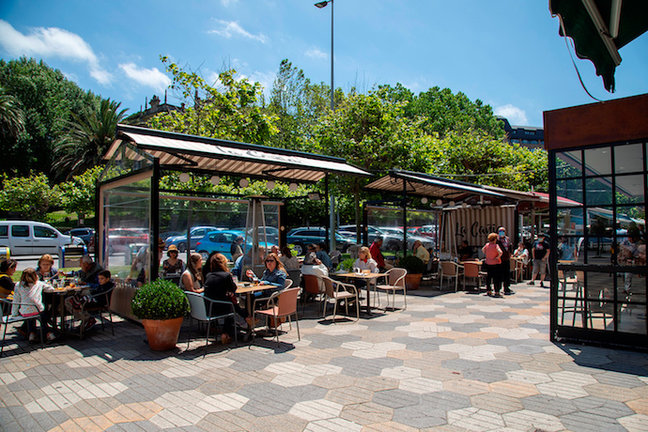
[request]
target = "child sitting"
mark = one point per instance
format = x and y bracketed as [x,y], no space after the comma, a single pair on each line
[79,303]
[28,302]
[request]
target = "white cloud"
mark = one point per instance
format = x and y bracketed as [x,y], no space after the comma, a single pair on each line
[316,53]
[515,115]
[228,29]
[147,77]
[52,42]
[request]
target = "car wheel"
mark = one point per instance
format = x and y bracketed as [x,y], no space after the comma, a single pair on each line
[182,247]
[299,249]
[204,255]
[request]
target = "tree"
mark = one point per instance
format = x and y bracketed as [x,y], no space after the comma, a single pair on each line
[78,195]
[88,138]
[47,99]
[12,119]
[230,112]
[28,196]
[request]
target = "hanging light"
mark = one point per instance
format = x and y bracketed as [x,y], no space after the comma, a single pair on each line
[439,202]
[270,185]
[292,187]
[215,180]
[464,205]
[243,182]
[424,200]
[451,203]
[184,178]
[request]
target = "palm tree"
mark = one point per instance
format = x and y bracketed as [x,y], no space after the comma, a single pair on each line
[12,119]
[89,136]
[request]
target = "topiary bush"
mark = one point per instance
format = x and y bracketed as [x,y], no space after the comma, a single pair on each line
[160,300]
[413,264]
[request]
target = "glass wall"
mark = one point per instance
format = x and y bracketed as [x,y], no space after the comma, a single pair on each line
[600,239]
[387,222]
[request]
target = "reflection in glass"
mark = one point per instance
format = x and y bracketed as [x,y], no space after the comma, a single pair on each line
[570,189]
[597,161]
[570,221]
[629,189]
[569,164]
[598,191]
[628,158]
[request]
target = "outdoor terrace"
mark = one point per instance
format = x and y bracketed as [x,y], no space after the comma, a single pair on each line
[451,362]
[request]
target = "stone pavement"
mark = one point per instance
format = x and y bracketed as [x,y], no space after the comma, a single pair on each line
[450,362]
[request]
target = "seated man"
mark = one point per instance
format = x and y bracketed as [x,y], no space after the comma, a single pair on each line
[89,272]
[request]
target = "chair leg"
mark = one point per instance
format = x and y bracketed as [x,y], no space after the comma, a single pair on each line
[297,325]
[207,335]
[235,331]
[4,334]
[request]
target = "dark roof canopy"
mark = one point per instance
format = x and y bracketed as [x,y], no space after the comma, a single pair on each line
[182,152]
[599,28]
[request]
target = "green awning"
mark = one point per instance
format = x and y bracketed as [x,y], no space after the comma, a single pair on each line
[599,28]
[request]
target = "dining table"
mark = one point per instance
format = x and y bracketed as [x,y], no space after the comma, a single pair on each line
[249,289]
[368,278]
[62,292]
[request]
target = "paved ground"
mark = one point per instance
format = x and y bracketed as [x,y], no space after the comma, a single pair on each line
[450,362]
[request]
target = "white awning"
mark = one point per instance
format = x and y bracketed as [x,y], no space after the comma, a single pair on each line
[182,152]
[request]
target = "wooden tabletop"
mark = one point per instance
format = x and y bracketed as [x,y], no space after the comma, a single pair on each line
[359,275]
[248,287]
[65,289]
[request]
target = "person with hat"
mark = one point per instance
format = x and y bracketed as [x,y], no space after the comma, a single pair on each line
[540,254]
[172,265]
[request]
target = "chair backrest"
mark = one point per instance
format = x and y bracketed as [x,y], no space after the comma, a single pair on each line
[287,301]
[288,283]
[328,287]
[295,276]
[471,269]
[197,303]
[512,264]
[397,277]
[448,268]
[311,284]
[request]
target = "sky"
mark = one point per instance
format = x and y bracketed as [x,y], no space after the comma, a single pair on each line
[507,53]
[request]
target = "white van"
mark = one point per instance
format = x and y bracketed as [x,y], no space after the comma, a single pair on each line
[33,238]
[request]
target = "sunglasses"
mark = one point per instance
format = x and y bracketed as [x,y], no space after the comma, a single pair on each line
[270,260]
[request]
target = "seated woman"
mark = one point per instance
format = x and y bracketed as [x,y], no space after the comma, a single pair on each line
[465,251]
[192,278]
[7,269]
[219,285]
[173,264]
[419,251]
[521,253]
[365,262]
[28,302]
[288,260]
[45,269]
[275,272]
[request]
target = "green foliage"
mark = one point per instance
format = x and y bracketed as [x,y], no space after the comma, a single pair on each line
[411,263]
[346,264]
[160,300]
[12,118]
[88,137]
[29,196]
[47,100]
[78,194]
[230,112]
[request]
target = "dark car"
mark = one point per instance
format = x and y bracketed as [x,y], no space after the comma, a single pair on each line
[85,234]
[301,237]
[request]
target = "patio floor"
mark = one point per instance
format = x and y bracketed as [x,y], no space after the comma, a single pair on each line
[450,362]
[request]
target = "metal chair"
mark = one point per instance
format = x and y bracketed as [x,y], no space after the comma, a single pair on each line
[471,270]
[312,286]
[394,281]
[282,304]
[100,309]
[5,306]
[203,313]
[339,291]
[450,270]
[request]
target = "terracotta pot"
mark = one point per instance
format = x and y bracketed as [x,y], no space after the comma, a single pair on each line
[413,281]
[162,335]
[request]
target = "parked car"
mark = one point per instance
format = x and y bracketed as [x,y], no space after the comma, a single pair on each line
[196,234]
[33,238]
[221,241]
[85,234]
[121,239]
[271,233]
[303,236]
[396,239]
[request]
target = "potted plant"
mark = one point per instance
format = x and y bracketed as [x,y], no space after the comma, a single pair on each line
[415,269]
[346,265]
[161,305]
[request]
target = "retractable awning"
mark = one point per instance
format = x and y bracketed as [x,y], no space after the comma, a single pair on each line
[182,152]
[599,28]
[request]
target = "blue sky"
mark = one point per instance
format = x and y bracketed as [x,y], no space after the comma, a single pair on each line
[505,52]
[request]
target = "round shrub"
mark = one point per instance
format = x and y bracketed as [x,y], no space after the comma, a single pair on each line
[413,264]
[160,300]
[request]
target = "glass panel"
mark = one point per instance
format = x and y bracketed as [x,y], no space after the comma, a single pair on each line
[597,161]
[600,315]
[44,232]
[4,231]
[127,212]
[570,221]
[598,191]
[599,286]
[569,164]
[20,230]
[126,159]
[629,189]
[567,248]
[631,251]
[570,298]
[570,189]
[628,158]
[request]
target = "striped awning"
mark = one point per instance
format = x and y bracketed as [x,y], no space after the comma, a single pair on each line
[180,152]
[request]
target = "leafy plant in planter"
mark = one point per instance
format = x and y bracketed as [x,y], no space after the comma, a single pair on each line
[347,264]
[161,305]
[415,268]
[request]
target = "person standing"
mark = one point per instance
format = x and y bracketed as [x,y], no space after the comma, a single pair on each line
[492,261]
[505,267]
[540,254]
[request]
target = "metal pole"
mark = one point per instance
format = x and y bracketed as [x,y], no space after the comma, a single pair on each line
[332,56]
